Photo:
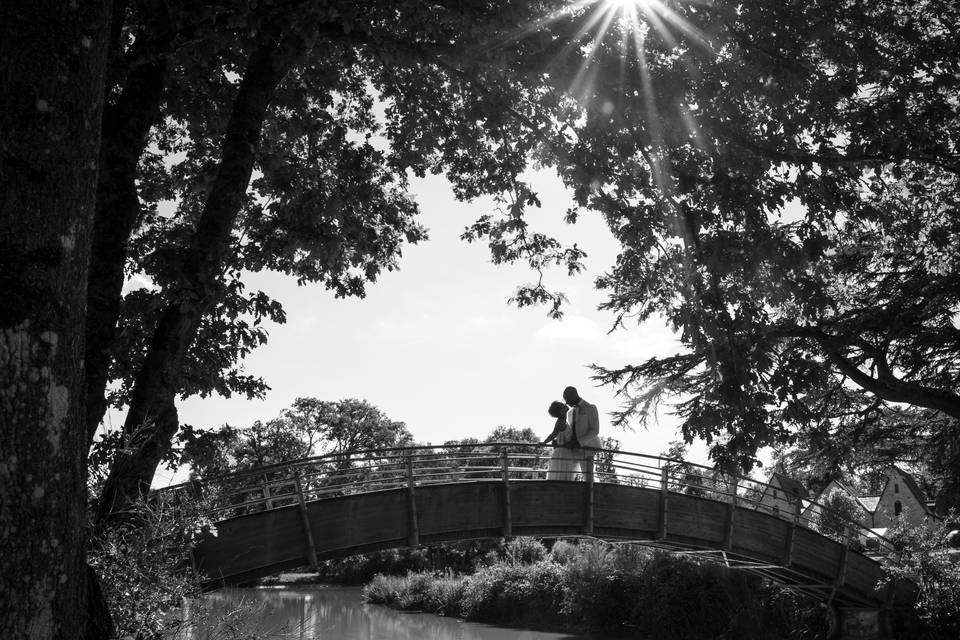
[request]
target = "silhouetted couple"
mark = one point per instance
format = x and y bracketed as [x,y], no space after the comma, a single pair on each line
[575,436]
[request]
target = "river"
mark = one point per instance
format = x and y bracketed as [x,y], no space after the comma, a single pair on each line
[335,613]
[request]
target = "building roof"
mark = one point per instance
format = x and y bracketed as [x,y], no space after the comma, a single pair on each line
[791,486]
[913,487]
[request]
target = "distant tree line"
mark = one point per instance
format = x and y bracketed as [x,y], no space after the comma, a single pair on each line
[312,427]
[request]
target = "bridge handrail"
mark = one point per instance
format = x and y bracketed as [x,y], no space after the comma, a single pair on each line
[320,476]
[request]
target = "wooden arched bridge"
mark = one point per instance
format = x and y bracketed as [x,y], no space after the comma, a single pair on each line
[294,514]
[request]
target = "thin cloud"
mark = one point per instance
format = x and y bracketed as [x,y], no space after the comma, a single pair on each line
[572,328]
[483,324]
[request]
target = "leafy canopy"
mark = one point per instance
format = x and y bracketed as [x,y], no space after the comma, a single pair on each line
[782,178]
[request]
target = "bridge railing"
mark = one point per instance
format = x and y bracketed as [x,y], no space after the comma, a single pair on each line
[347,473]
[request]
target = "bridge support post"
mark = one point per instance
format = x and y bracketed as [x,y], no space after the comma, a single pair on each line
[731,512]
[507,515]
[413,534]
[305,518]
[588,524]
[664,486]
[791,533]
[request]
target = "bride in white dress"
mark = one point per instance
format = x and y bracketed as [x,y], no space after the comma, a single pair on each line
[562,462]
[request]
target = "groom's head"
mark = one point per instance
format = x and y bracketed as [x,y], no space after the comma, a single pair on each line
[570,396]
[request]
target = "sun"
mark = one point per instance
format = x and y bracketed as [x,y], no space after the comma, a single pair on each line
[629,8]
[624,27]
[629,4]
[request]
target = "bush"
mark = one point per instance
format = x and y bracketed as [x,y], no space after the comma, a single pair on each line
[446,595]
[515,593]
[143,564]
[562,552]
[922,556]
[791,615]
[440,594]
[602,584]
[505,593]
[415,593]
[610,587]
[524,550]
[384,589]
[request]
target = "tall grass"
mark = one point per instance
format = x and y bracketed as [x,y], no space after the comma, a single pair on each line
[607,587]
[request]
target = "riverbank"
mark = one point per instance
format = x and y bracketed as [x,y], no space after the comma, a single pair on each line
[594,586]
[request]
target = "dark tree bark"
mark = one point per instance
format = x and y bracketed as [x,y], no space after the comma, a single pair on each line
[126,125]
[52,65]
[888,387]
[151,421]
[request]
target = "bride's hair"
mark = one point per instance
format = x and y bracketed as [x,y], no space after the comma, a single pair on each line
[557,409]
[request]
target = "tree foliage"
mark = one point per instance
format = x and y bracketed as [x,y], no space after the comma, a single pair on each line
[782,179]
[263,125]
[768,170]
[310,427]
[838,518]
[145,569]
[924,556]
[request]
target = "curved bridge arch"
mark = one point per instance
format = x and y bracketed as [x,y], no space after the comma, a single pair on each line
[289,515]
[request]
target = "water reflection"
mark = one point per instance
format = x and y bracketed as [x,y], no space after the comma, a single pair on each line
[328,613]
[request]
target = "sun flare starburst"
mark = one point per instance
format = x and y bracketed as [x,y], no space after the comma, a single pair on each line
[628,4]
[616,46]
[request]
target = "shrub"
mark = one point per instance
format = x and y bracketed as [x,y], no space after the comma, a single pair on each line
[684,598]
[524,550]
[922,556]
[384,589]
[143,564]
[602,584]
[446,594]
[441,594]
[414,595]
[790,615]
[514,593]
[611,587]
[562,552]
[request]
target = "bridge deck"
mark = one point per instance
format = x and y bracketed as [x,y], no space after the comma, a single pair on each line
[265,542]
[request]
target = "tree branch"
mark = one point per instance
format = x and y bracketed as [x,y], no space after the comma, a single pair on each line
[152,400]
[126,125]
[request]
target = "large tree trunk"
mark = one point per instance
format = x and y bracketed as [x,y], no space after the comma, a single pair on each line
[126,125]
[151,421]
[52,63]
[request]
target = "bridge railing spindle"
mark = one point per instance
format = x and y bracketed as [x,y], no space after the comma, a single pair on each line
[305,518]
[268,503]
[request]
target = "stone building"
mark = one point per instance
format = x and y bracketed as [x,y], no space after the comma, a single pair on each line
[783,494]
[900,497]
